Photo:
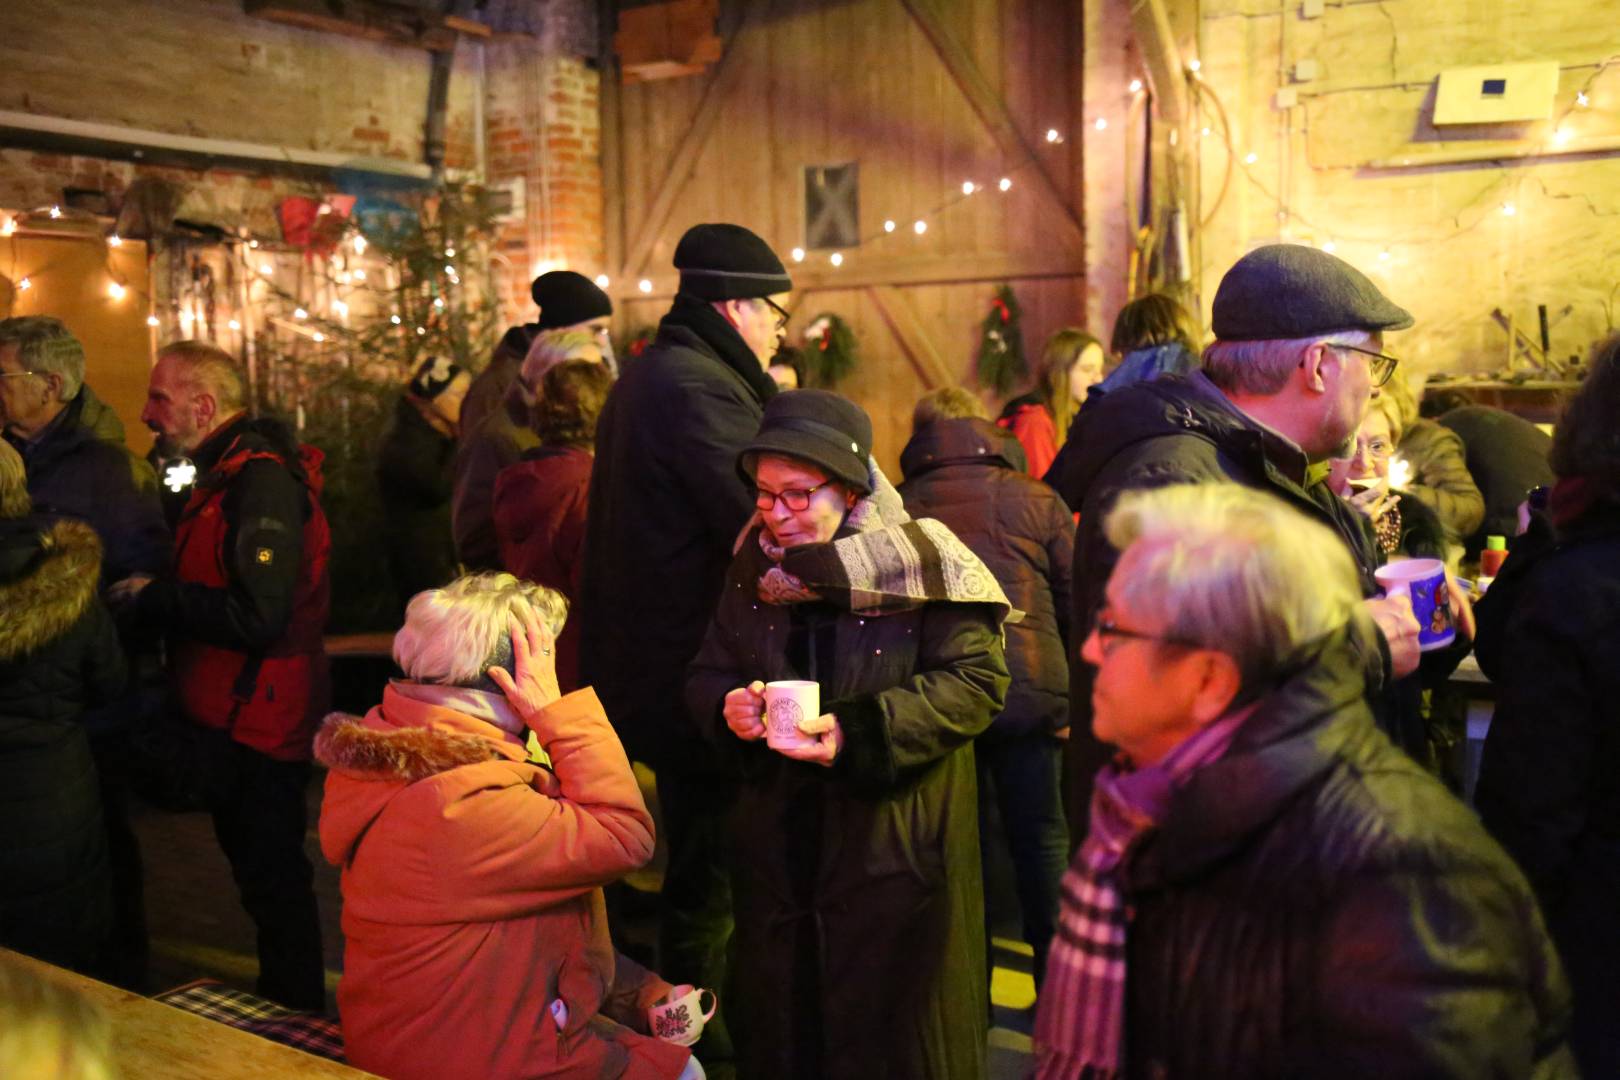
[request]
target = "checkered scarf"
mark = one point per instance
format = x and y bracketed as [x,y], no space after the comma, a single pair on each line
[1080,1025]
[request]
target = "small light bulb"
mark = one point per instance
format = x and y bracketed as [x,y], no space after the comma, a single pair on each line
[115,290]
[969,187]
[797,254]
[151,320]
[115,240]
[919,226]
[836,258]
[1194,64]
[1204,132]
[1102,124]
[340,307]
[450,270]
[888,225]
[56,211]
[1250,158]
[319,336]
[1508,209]
[300,313]
[1052,135]
[394,319]
[24,285]
[253,244]
[1330,247]
[1560,137]
[8,227]
[1581,100]
[420,331]
[185,319]
[1006,183]
[1383,256]
[438,302]
[359,275]
[449,253]
[602,281]
[1136,86]
[267,268]
[644,285]
[234,324]
[359,244]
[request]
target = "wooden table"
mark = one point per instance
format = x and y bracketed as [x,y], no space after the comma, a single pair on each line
[154,1040]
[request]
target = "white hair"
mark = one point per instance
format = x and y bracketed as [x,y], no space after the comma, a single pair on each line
[1262,368]
[552,347]
[46,346]
[451,634]
[1226,567]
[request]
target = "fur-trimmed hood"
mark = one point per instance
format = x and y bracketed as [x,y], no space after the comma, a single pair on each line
[49,573]
[356,746]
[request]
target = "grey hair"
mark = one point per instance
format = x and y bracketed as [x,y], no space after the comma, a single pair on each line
[46,346]
[451,634]
[1224,567]
[552,347]
[1262,368]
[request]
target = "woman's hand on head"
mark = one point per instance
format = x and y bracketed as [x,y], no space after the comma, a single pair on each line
[744,710]
[829,741]
[532,683]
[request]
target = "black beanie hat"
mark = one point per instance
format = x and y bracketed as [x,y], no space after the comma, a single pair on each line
[566,298]
[821,427]
[727,262]
[432,376]
[1294,291]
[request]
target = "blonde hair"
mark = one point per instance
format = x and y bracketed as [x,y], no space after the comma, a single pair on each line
[1399,403]
[450,634]
[49,1031]
[1225,567]
[208,368]
[14,499]
[947,403]
[551,347]
[1063,350]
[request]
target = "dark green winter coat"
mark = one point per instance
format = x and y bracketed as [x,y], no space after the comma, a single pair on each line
[858,949]
[59,656]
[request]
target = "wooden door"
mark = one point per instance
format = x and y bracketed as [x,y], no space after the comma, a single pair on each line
[924,96]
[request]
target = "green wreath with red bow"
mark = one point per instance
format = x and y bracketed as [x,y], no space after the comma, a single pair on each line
[1001,362]
[829,351]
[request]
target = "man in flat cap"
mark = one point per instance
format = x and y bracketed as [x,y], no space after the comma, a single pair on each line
[494,428]
[1299,352]
[666,506]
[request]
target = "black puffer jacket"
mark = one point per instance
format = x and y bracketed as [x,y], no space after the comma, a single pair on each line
[59,656]
[1549,638]
[413,471]
[1316,905]
[970,475]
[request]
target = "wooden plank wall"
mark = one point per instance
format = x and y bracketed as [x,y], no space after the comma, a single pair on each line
[806,83]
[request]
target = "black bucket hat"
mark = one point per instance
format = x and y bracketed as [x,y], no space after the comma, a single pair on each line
[820,427]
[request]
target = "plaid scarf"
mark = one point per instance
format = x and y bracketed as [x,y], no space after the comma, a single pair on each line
[1080,1022]
[892,562]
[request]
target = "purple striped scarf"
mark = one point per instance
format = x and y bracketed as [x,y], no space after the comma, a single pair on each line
[1080,1023]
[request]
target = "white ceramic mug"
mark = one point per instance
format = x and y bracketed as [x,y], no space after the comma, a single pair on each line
[680,1019]
[786,703]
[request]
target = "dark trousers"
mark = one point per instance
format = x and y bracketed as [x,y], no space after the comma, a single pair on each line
[124,961]
[1021,775]
[694,926]
[261,826]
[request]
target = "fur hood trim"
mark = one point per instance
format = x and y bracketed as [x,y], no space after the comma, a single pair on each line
[351,745]
[45,603]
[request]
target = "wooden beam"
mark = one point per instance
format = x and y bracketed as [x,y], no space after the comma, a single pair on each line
[1158,44]
[610,113]
[911,336]
[995,115]
[369,20]
[985,269]
[727,75]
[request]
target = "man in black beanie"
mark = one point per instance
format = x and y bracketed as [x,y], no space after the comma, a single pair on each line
[495,415]
[1299,353]
[666,505]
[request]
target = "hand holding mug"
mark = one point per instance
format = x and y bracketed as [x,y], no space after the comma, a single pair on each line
[744,711]
[1394,617]
[828,738]
[680,1017]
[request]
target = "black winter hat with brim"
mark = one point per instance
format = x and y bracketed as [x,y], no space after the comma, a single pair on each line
[825,429]
[1294,291]
[566,298]
[727,262]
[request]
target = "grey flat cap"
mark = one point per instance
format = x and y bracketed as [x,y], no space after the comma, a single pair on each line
[1295,291]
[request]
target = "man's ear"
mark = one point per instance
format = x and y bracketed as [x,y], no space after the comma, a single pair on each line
[53,381]
[1218,684]
[1311,365]
[206,408]
[728,310]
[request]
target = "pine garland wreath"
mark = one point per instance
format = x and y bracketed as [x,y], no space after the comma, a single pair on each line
[830,352]
[1001,363]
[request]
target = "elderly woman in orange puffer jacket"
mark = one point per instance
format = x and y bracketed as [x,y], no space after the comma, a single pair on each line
[476,940]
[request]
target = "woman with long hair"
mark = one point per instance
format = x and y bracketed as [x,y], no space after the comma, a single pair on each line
[1071,364]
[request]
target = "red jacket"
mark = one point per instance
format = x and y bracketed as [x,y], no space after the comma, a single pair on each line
[1036,433]
[540,506]
[472,894]
[272,710]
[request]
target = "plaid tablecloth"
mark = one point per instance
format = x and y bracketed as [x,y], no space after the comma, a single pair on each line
[310,1032]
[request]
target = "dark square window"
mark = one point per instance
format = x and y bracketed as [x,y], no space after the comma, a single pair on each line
[832,206]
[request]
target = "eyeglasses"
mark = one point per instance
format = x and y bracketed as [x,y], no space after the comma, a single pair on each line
[1376,448]
[782,317]
[1382,366]
[16,374]
[1108,630]
[794,499]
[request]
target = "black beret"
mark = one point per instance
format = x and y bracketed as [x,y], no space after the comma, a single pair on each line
[1295,291]
[817,426]
[566,298]
[728,262]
